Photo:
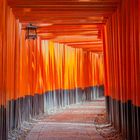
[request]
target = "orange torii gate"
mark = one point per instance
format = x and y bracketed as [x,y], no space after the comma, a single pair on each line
[89,41]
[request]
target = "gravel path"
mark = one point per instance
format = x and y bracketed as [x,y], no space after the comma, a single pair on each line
[73,123]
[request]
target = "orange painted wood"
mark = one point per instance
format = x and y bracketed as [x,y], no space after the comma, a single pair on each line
[122,53]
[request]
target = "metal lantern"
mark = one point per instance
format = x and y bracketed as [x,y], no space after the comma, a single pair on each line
[31,32]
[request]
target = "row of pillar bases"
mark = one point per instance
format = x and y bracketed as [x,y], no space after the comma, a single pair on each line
[17,113]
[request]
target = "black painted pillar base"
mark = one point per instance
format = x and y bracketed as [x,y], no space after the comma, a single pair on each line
[125,117]
[57,99]
[23,109]
[3,132]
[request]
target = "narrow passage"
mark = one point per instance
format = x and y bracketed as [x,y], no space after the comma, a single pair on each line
[73,123]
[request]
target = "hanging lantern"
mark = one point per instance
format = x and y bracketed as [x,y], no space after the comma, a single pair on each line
[31,32]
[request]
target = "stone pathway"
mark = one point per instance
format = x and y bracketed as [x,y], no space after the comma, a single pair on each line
[74,123]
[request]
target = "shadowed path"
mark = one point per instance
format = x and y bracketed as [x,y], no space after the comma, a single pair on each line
[74,123]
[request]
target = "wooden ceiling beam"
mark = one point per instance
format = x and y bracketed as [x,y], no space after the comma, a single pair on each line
[42,30]
[16,3]
[94,50]
[69,33]
[59,20]
[58,27]
[76,23]
[80,41]
[88,46]
[44,12]
[89,42]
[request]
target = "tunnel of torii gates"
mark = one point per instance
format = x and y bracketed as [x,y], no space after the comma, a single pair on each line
[84,47]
